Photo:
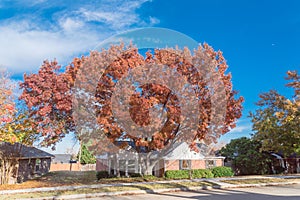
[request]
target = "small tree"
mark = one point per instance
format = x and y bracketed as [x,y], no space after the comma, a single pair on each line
[7,105]
[15,127]
[86,156]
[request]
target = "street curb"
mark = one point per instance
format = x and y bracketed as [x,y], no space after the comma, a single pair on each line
[158,191]
[255,185]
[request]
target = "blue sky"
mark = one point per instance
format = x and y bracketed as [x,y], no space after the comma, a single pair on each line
[259,39]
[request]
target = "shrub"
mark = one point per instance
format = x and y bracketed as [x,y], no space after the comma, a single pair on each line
[279,169]
[177,174]
[222,171]
[102,174]
[149,177]
[134,175]
[20,179]
[202,173]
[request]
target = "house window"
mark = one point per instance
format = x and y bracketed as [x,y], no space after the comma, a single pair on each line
[210,164]
[37,164]
[184,164]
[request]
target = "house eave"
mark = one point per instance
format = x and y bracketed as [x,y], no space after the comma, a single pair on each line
[37,157]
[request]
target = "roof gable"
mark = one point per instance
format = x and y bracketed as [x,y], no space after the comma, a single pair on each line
[183,152]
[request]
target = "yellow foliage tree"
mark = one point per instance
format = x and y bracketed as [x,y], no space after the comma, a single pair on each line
[15,126]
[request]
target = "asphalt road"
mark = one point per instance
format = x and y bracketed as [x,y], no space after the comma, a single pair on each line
[287,192]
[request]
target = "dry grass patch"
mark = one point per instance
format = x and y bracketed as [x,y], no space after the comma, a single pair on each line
[145,187]
[54,179]
[72,178]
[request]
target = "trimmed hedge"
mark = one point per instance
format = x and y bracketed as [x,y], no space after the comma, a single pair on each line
[177,174]
[185,174]
[182,174]
[200,173]
[222,171]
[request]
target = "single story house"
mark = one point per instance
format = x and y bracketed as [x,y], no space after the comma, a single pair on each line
[181,157]
[29,161]
[286,165]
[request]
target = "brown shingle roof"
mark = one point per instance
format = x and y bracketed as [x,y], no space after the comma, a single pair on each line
[22,151]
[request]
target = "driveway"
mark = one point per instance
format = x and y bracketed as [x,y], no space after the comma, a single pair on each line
[287,192]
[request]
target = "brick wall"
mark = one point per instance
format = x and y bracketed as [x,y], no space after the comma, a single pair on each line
[195,164]
[28,168]
[219,162]
[198,164]
[172,164]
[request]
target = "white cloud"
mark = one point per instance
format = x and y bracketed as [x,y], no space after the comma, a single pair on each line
[118,16]
[27,49]
[153,20]
[26,39]
[114,20]
[241,128]
[70,25]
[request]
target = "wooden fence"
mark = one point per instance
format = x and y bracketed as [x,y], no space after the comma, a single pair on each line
[72,167]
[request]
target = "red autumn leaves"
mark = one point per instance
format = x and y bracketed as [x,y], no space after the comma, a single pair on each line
[49,94]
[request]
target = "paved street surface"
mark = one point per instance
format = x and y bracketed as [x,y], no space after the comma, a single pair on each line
[287,192]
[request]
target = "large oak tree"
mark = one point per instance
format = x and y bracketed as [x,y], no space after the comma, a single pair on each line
[50,94]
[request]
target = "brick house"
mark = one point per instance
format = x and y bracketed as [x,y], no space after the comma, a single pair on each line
[286,165]
[181,157]
[29,161]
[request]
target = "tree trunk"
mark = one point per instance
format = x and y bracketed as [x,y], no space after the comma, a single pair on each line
[147,164]
[80,151]
[7,168]
[118,174]
[190,169]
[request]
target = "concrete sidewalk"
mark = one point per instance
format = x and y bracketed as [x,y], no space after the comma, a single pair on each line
[219,184]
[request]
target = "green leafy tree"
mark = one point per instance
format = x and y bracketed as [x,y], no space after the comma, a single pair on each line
[245,156]
[85,156]
[276,121]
